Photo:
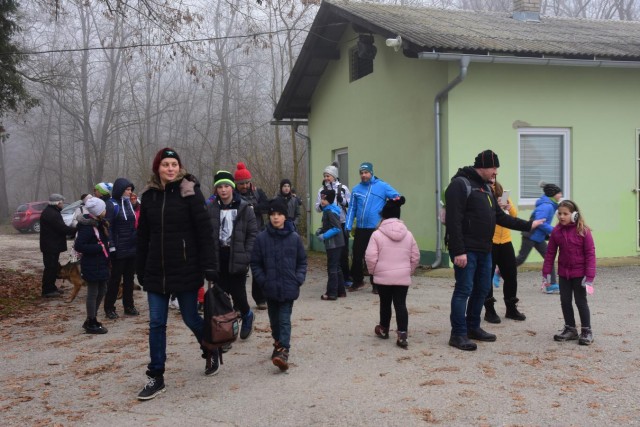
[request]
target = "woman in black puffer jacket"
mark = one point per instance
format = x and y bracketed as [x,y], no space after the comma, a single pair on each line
[174,255]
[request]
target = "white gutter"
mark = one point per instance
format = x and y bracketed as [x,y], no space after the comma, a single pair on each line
[493,59]
[497,59]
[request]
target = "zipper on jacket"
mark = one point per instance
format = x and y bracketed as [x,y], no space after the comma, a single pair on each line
[184,249]
[164,277]
[364,205]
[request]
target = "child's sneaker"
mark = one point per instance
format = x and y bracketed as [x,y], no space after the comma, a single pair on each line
[382,332]
[402,340]
[586,337]
[569,333]
[247,325]
[552,289]
[213,365]
[154,386]
[281,358]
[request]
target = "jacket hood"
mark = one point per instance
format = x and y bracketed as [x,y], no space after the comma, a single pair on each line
[333,208]
[393,228]
[119,186]
[543,200]
[469,173]
[87,220]
[288,229]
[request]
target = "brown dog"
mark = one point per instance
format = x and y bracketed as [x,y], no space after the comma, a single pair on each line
[71,272]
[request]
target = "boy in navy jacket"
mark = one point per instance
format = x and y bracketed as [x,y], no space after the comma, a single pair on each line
[279,267]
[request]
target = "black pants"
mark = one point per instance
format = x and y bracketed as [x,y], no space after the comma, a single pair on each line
[50,273]
[256,292]
[344,256]
[525,249]
[235,285]
[335,281]
[120,268]
[360,243]
[396,295]
[569,288]
[504,256]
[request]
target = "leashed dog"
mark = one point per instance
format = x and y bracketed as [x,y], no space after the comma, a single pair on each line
[71,272]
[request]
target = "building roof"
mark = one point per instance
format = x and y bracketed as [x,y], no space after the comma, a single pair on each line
[459,31]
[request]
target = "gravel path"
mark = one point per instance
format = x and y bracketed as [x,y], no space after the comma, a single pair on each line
[340,374]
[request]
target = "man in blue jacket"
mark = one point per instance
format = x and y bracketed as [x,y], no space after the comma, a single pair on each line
[367,200]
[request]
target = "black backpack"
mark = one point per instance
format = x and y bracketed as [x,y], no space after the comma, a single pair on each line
[221,321]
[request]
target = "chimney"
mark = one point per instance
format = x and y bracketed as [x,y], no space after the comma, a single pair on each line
[526,10]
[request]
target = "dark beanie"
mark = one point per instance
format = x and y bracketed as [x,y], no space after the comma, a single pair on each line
[277,205]
[223,177]
[163,154]
[551,190]
[391,209]
[283,182]
[328,195]
[486,159]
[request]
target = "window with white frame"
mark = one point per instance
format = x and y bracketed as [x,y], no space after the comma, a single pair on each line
[342,157]
[544,156]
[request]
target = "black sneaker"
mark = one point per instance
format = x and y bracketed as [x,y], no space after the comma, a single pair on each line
[225,347]
[480,334]
[154,387]
[130,311]
[92,326]
[51,294]
[462,342]
[213,366]
[111,314]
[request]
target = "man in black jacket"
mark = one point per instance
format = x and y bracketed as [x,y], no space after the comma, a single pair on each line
[471,216]
[53,241]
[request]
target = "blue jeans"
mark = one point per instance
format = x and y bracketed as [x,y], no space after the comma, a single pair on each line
[158,313]
[280,319]
[472,287]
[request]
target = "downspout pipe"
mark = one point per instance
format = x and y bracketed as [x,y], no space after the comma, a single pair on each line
[308,182]
[464,65]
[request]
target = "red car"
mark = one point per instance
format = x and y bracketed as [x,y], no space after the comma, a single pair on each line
[27,217]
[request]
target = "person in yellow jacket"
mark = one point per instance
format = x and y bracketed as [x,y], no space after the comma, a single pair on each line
[504,256]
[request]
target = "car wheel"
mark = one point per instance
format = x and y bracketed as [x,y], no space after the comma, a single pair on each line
[35,227]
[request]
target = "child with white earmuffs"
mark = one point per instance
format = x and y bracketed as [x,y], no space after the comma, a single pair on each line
[576,270]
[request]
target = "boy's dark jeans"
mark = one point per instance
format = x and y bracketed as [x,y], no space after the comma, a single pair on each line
[569,287]
[280,320]
[120,268]
[335,280]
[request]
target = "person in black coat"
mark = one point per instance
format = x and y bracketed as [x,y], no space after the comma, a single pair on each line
[234,231]
[122,250]
[92,242]
[53,241]
[174,256]
[279,267]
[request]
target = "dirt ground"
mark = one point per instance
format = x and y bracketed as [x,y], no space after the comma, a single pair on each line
[341,374]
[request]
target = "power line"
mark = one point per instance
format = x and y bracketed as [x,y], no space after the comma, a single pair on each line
[138,45]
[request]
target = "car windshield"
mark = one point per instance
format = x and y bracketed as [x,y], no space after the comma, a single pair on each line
[21,208]
[71,208]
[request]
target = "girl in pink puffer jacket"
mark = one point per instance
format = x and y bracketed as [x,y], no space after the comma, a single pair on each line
[576,269]
[392,257]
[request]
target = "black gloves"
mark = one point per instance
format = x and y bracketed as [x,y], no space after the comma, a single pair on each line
[211,276]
